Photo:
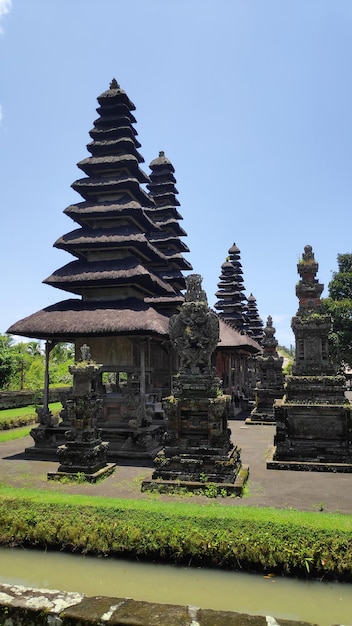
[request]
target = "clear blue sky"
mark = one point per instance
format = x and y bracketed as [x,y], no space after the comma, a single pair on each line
[250,99]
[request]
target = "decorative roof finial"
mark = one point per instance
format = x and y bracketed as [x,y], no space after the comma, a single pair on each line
[114,84]
[308,253]
[161,153]
[195,293]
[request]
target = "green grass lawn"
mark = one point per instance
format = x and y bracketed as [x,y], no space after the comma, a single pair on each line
[25,410]
[23,416]
[14,433]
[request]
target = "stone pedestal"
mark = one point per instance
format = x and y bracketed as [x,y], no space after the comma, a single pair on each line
[263,412]
[313,426]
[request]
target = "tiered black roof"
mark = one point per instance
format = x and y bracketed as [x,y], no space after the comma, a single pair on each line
[254,322]
[165,216]
[116,257]
[231,295]
[121,268]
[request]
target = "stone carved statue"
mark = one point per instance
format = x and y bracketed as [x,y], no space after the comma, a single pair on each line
[195,330]
[195,293]
[85,353]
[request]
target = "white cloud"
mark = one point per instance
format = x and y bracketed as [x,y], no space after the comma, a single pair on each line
[0,113]
[5,7]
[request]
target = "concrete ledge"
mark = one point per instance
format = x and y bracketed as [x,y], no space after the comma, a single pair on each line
[25,606]
[259,422]
[305,466]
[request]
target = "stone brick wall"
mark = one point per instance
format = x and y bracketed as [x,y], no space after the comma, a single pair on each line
[17,399]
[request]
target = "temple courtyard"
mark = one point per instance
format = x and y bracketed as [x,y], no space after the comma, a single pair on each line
[307,491]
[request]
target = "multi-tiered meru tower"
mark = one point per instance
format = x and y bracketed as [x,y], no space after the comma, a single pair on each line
[126,280]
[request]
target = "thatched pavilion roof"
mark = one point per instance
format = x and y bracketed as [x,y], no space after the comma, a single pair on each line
[70,319]
[231,338]
[74,318]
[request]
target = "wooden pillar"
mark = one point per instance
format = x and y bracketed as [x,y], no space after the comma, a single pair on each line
[48,347]
[171,367]
[142,377]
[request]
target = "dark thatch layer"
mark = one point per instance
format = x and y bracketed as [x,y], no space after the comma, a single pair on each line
[93,186]
[76,318]
[231,338]
[123,207]
[107,273]
[93,165]
[82,239]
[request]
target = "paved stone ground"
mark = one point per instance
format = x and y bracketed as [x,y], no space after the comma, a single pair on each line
[310,491]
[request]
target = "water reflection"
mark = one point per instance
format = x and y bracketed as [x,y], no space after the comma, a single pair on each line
[317,602]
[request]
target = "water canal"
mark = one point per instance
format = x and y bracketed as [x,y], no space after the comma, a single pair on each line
[323,603]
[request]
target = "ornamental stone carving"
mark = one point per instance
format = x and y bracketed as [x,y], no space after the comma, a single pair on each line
[195,330]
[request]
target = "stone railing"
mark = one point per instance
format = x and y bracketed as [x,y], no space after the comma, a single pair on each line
[25,606]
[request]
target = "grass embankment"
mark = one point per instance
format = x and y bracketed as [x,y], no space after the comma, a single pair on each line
[23,416]
[266,540]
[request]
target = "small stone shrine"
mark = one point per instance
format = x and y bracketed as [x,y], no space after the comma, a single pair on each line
[198,452]
[313,421]
[270,385]
[84,452]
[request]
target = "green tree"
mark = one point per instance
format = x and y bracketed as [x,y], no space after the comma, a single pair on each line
[25,353]
[61,356]
[8,362]
[35,374]
[339,306]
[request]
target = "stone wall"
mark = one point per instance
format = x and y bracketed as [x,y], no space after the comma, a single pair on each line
[17,399]
[25,606]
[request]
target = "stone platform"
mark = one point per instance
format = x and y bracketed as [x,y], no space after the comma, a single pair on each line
[305,466]
[169,486]
[104,472]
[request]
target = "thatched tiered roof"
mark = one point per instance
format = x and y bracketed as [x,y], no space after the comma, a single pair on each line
[254,321]
[230,305]
[73,318]
[123,257]
[165,216]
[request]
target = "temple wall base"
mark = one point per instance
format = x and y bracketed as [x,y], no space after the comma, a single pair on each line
[306,466]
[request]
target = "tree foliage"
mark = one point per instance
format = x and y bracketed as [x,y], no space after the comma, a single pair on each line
[22,365]
[7,361]
[339,306]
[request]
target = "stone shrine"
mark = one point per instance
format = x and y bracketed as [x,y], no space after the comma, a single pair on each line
[313,421]
[198,450]
[270,385]
[84,452]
